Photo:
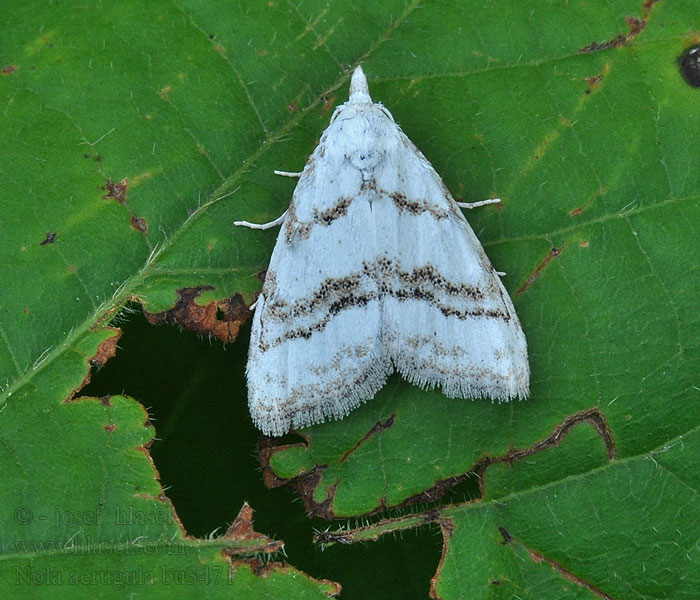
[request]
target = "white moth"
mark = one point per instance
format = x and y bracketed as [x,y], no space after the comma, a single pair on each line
[375,270]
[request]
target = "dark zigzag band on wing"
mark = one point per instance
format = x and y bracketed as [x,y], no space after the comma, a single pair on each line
[380,274]
[294,227]
[375,282]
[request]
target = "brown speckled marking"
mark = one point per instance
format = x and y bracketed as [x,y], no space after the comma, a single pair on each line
[416,207]
[295,228]
[294,408]
[332,290]
[270,279]
[368,186]
[310,165]
[291,223]
[344,352]
[429,274]
[373,283]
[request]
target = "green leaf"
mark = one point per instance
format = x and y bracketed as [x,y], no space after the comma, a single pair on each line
[83,507]
[133,136]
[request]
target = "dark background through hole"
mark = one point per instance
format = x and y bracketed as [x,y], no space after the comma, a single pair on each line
[205,452]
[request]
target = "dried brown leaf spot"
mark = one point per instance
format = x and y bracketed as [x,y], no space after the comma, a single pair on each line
[536,273]
[306,483]
[139,224]
[106,349]
[116,190]
[241,530]
[221,319]
[328,104]
[49,239]
[593,82]
[636,26]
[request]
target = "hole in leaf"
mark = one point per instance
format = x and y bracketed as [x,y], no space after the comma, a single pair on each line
[206,454]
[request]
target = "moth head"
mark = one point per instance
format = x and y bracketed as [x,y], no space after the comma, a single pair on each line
[359,90]
[359,101]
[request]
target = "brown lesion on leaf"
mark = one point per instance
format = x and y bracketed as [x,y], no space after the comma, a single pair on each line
[324,509]
[261,568]
[116,190]
[537,557]
[49,239]
[241,530]
[554,252]
[507,538]
[304,485]
[438,514]
[616,42]
[328,104]
[257,566]
[307,483]
[106,349]
[7,69]
[601,191]
[443,556]
[636,26]
[592,416]
[436,491]
[250,541]
[139,224]
[220,318]
[378,426]
[266,449]
[593,83]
